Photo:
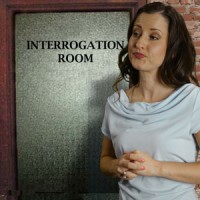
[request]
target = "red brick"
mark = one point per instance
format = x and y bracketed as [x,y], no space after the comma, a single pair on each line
[197,2]
[196,43]
[197,16]
[197,67]
[194,9]
[180,9]
[188,17]
[197,51]
[198,76]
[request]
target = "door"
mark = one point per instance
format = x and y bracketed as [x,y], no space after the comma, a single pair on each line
[56,77]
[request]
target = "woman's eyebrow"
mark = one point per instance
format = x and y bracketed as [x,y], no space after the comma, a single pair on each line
[137,25]
[155,29]
[152,29]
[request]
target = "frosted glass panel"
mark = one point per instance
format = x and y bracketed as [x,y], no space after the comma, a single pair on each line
[66,64]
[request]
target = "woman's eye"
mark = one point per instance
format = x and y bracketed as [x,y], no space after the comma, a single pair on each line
[136,33]
[153,37]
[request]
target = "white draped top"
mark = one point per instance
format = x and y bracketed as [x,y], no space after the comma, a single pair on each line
[164,130]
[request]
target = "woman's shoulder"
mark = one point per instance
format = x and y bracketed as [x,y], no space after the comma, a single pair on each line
[188,93]
[123,96]
[191,85]
[118,96]
[189,88]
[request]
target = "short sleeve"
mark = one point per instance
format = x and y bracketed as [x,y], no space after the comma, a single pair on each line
[105,125]
[195,123]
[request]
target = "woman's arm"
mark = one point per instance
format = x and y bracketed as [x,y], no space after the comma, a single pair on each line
[108,161]
[112,166]
[183,172]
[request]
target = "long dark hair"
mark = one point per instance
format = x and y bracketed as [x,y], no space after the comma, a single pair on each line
[179,63]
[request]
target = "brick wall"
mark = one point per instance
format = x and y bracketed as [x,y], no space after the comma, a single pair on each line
[190,10]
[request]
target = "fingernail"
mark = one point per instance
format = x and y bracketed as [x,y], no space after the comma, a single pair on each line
[143,167]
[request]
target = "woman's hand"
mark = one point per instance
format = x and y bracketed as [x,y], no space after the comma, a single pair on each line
[141,163]
[123,172]
[129,165]
[112,166]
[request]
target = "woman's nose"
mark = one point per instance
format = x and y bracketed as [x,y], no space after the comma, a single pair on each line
[140,42]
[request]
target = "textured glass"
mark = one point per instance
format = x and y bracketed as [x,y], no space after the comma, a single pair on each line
[60,105]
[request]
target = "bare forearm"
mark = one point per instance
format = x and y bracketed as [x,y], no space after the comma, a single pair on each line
[112,166]
[108,166]
[183,172]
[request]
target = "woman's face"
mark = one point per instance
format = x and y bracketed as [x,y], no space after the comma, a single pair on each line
[148,43]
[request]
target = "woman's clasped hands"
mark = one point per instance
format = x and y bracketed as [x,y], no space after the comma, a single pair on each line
[137,163]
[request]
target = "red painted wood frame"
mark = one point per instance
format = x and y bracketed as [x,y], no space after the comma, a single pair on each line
[8,10]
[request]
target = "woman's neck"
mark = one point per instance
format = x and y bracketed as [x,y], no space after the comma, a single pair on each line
[149,89]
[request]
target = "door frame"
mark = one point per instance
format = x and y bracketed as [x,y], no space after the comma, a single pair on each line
[8,10]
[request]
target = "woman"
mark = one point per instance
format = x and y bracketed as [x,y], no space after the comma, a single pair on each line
[149,129]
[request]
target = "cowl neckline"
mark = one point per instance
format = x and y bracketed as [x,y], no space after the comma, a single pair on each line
[169,102]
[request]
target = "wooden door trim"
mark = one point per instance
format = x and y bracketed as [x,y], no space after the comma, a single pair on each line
[8,10]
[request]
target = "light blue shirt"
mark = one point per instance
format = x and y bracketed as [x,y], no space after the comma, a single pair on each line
[164,130]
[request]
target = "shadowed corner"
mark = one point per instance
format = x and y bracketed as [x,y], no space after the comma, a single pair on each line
[97,181]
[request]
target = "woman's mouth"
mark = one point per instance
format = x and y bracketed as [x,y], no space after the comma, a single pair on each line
[139,55]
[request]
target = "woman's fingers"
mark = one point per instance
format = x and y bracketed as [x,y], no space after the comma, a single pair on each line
[126,164]
[123,169]
[123,162]
[128,175]
[135,156]
[140,163]
[135,166]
